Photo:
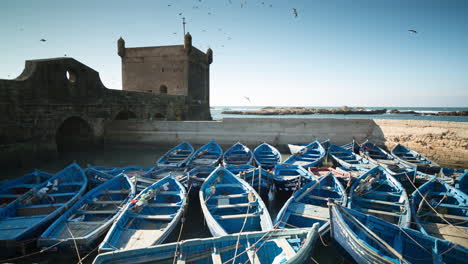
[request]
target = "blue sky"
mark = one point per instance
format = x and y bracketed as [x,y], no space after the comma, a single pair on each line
[335,52]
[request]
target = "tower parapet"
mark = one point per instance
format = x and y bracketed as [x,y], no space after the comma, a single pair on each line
[121,47]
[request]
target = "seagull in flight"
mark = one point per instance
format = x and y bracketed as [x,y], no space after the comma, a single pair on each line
[247,98]
[295,12]
[43,40]
[412,31]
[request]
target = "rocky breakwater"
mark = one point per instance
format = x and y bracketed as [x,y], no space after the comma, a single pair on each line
[308,111]
[454,113]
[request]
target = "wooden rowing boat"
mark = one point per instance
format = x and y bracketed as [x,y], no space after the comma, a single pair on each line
[236,169]
[88,219]
[308,205]
[293,246]
[289,178]
[441,210]
[378,193]
[369,239]
[230,205]
[412,158]
[149,218]
[348,159]
[197,177]
[353,146]
[176,157]
[209,154]
[311,155]
[238,154]
[267,156]
[379,156]
[296,147]
[28,216]
[14,188]
[261,180]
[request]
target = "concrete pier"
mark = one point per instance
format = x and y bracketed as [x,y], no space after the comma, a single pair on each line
[444,142]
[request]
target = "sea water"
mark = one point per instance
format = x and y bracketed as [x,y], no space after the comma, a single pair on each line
[423,113]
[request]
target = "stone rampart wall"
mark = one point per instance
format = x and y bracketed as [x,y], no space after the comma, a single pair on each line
[445,142]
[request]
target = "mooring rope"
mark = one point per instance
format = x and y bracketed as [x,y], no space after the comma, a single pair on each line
[176,253]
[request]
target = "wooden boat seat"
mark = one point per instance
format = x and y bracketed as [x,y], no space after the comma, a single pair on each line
[357,198]
[70,183]
[223,217]
[152,217]
[317,197]
[61,194]
[96,211]
[237,195]
[86,222]
[163,205]
[169,193]
[10,195]
[117,191]
[226,185]
[454,206]
[382,193]
[105,202]
[216,206]
[373,211]
[41,205]
[446,216]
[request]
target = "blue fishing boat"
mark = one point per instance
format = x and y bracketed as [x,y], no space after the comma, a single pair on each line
[238,154]
[176,157]
[138,175]
[345,176]
[14,188]
[311,155]
[369,239]
[267,156]
[208,155]
[379,156]
[148,219]
[87,220]
[236,169]
[261,180]
[348,159]
[288,177]
[28,216]
[353,146]
[197,177]
[452,173]
[378,193]
[308,205]
[230,205]
[441,211]
[156,174]
[293,246]
[296,147]
[412,158]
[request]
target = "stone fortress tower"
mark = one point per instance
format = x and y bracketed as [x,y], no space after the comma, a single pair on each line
[173,70]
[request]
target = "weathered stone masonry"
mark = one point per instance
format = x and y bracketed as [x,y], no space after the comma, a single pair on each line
[54,101]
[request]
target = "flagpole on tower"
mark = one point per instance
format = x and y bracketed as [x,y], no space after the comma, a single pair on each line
[183,24]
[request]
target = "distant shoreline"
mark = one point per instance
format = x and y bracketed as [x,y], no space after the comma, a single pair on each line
[338,111]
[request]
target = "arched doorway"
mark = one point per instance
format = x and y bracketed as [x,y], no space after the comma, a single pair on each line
[125,115]
[73,134]
[163,89]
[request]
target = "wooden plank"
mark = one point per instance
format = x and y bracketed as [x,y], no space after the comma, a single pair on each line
[117,191]
[454,206]
[377,201]
[311,216]
[286,247]
[10,195]
[153,217]
[96,211]
[222,217]
[215,257]
[239,195]
[105,202]
[61,194]
[447,216]
[373,211]
[162,205]
[231,205]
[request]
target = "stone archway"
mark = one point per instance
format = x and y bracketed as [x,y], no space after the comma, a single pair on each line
[73,134]
[125,115]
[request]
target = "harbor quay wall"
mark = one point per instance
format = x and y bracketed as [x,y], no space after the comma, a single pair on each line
[444,142]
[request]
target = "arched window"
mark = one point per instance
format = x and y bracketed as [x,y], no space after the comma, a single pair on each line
[163,89]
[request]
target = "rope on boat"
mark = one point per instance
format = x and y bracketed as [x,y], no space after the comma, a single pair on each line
[74,243]
[33,253]
[176,252]
[433,209]
[243,224]
[375,238]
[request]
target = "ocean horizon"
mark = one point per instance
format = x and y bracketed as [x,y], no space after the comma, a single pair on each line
[422,113]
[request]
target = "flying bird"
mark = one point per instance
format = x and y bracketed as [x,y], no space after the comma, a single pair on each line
[43,40]
[412,31]
[295,12]
[180,14]
[247,98]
